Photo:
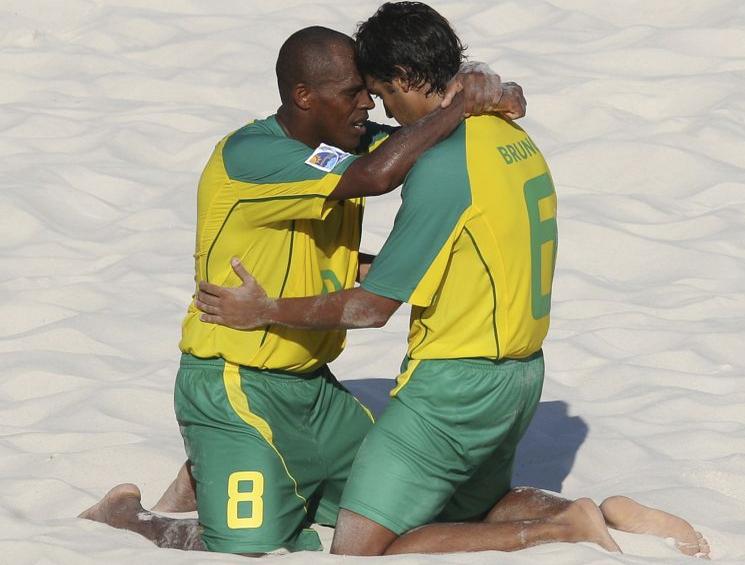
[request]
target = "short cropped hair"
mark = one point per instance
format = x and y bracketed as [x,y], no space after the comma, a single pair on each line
[304,57]
[413,37]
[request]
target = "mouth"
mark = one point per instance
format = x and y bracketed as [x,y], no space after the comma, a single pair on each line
[359,126]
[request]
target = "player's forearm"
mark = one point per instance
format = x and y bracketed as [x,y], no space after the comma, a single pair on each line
[248,307]
[385,168]
[394,158]
[348,309]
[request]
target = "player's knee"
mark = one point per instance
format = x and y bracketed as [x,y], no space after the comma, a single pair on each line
[357,535]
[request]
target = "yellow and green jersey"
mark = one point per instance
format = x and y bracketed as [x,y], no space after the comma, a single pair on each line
[473,246]
[263,197]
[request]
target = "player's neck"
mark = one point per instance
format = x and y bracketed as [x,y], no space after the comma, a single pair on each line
[296,128]
[431,103]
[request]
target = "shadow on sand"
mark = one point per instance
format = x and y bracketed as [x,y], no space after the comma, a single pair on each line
[546,453]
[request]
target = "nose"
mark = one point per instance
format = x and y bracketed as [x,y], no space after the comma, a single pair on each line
[366,102]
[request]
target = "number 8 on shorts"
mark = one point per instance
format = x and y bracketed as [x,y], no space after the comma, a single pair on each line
[254,496]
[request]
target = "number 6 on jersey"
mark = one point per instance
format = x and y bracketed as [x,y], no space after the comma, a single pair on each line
[540,198]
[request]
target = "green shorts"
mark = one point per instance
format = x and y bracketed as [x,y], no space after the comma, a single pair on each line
[443,449]
[270,452]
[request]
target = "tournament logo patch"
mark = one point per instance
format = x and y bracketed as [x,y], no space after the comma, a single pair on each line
[326,157]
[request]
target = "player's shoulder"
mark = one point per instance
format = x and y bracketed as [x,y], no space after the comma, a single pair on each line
[497,131]
[493,123]
[443,161]
[441,173]
[260,148]
[262,137]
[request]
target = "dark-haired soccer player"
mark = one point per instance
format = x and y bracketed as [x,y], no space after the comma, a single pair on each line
[270,433]
[472,249]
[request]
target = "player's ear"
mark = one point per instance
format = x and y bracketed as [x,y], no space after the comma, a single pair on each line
[302,95]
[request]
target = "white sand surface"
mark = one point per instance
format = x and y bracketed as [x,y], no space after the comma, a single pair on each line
[110,108]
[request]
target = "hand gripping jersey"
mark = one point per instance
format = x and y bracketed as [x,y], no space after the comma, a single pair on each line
[263,197]
[473,246]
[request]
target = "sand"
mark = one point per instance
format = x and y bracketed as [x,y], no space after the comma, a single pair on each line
[111,108]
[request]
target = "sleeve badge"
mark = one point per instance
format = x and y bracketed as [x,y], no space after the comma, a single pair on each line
[326,157]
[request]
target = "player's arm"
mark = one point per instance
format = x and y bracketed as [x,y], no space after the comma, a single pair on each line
[425,222]
[475,90]
[384,169]
[495,96]
[248,306]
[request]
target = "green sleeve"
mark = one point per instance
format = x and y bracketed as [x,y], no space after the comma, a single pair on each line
[272,180]
[268,159]
[435,195]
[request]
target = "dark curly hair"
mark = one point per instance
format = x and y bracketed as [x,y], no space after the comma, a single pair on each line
[411,41]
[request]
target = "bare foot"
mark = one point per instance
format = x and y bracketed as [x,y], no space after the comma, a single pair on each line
[627,515]
[587,524]
[122,508]
[119,508]
[180,495]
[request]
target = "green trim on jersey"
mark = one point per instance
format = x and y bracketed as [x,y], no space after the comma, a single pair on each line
[253,221]
[493,288]
[287,272]
[439,184]
[473,247]
[230,213]
[259,152]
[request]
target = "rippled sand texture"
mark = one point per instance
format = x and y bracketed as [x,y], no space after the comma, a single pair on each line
[109,111]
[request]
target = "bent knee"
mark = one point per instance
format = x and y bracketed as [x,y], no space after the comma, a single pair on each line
[357,535]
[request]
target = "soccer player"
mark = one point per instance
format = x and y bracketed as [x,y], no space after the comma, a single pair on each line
[270,433]
[472,249]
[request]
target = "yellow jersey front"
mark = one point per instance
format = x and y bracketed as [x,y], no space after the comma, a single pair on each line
[260,200]
[473,246]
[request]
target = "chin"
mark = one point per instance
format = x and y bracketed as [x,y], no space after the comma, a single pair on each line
[349,145]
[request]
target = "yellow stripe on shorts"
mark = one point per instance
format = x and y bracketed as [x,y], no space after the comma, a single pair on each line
[239,402]
[365,408]
[404,377]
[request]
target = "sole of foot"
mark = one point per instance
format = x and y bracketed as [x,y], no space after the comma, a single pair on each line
[623,513]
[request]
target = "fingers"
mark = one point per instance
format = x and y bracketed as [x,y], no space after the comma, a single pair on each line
[453,88]
[209,299]
[210,319]
[482,92]
[240,270]
[234,307]
[206,307]
[207,302]
[209,288]
[478,67]
[485,93]
[513,104]
[471,89]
